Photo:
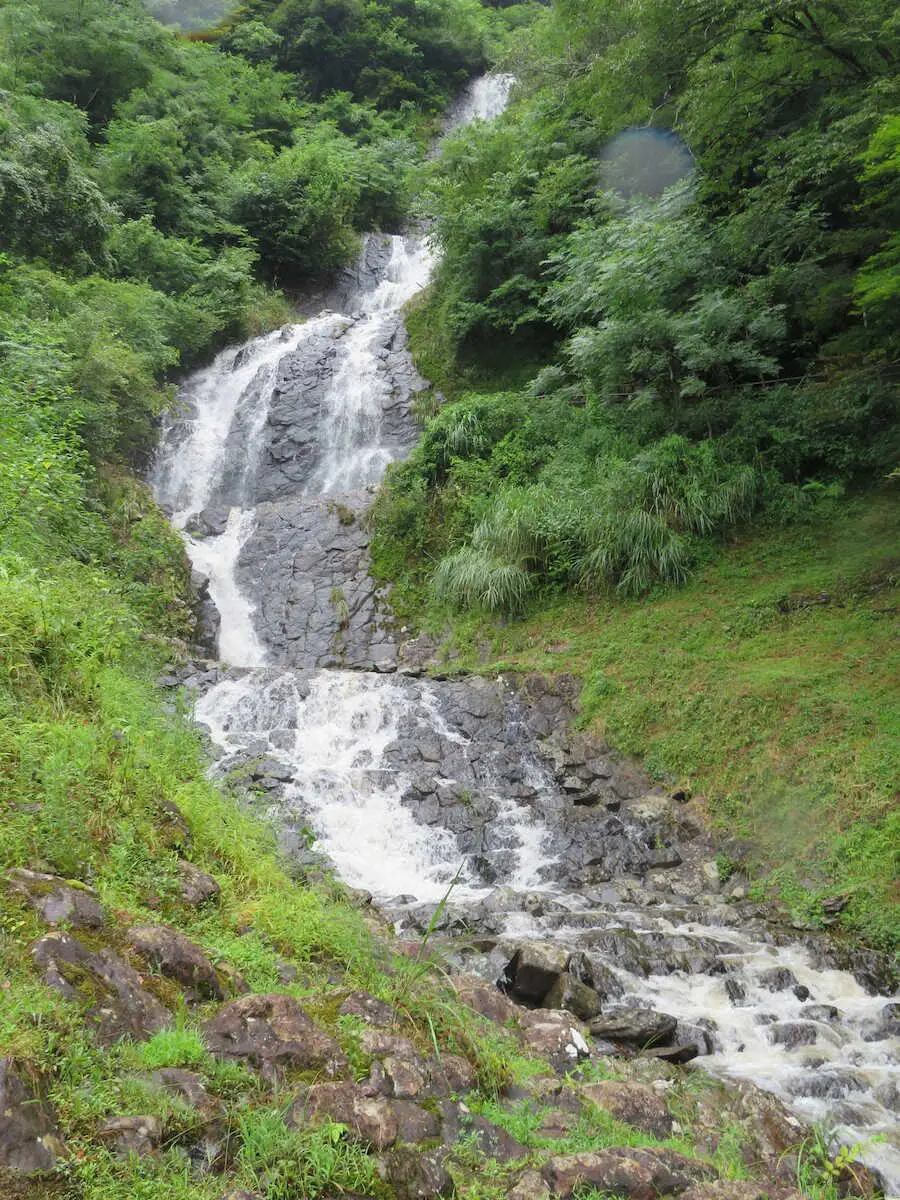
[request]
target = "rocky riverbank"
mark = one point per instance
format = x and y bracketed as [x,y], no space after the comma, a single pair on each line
[526,1101]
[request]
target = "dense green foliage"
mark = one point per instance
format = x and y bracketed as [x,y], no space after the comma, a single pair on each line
[684,231]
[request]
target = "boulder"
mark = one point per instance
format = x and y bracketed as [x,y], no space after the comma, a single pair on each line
[453,1074]
[555,1036]
[739,1189]
[369,1119]
[29,1138]
[770,1134]
[178,958]
[677,1054]
[414,1123]
[529,1186]
[232,980]
[120,1006]
[791,1034]
[132,1135]
[634,1026]
[415,1175]
[777,979]
[195,887]
[58,901]
[571,994]
[637,1104]
[534,969]
[481,1135]
[485,999]
[272,1033]
[640,1174]
[369,1009]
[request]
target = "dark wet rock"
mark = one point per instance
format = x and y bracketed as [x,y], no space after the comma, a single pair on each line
[701,1035]
[58,901]
[29,1138]
[677,1054]
[635,1026]
[195,887]
[211,522]
[119,1004]
[177,958]
[574,996]
[369,1009]
[735,991]
[369,1119]
[777,979]
[636,1104]
[132,1135]
[831,1084]
[791,1034]
[556,1036]
[534,969]
[820,1012]
[272,1033]
[417,1175]
[640,1174]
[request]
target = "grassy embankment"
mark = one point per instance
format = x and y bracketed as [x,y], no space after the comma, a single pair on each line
[90,765]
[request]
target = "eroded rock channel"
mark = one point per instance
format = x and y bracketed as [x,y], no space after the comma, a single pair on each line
[577,888]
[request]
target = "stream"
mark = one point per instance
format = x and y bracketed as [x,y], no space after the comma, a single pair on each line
[268,466]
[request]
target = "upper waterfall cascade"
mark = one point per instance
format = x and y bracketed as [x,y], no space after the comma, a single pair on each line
[267,467]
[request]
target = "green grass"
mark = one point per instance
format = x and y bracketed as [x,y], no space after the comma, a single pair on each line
[767,684]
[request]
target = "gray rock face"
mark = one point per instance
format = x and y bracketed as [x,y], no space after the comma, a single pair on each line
[272,1033]
[58,901]
[120,1005]
[29,1139]
[319,607]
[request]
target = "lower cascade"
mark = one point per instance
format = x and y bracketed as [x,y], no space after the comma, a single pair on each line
[418,790]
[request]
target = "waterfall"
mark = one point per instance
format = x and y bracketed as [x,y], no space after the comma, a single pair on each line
[267,466]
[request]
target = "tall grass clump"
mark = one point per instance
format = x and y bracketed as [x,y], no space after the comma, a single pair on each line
[625,522]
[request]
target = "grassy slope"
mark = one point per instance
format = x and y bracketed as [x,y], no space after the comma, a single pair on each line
[769,684]
[90,760]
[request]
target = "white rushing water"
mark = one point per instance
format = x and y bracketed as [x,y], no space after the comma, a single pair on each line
[333,732]
[354,452]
